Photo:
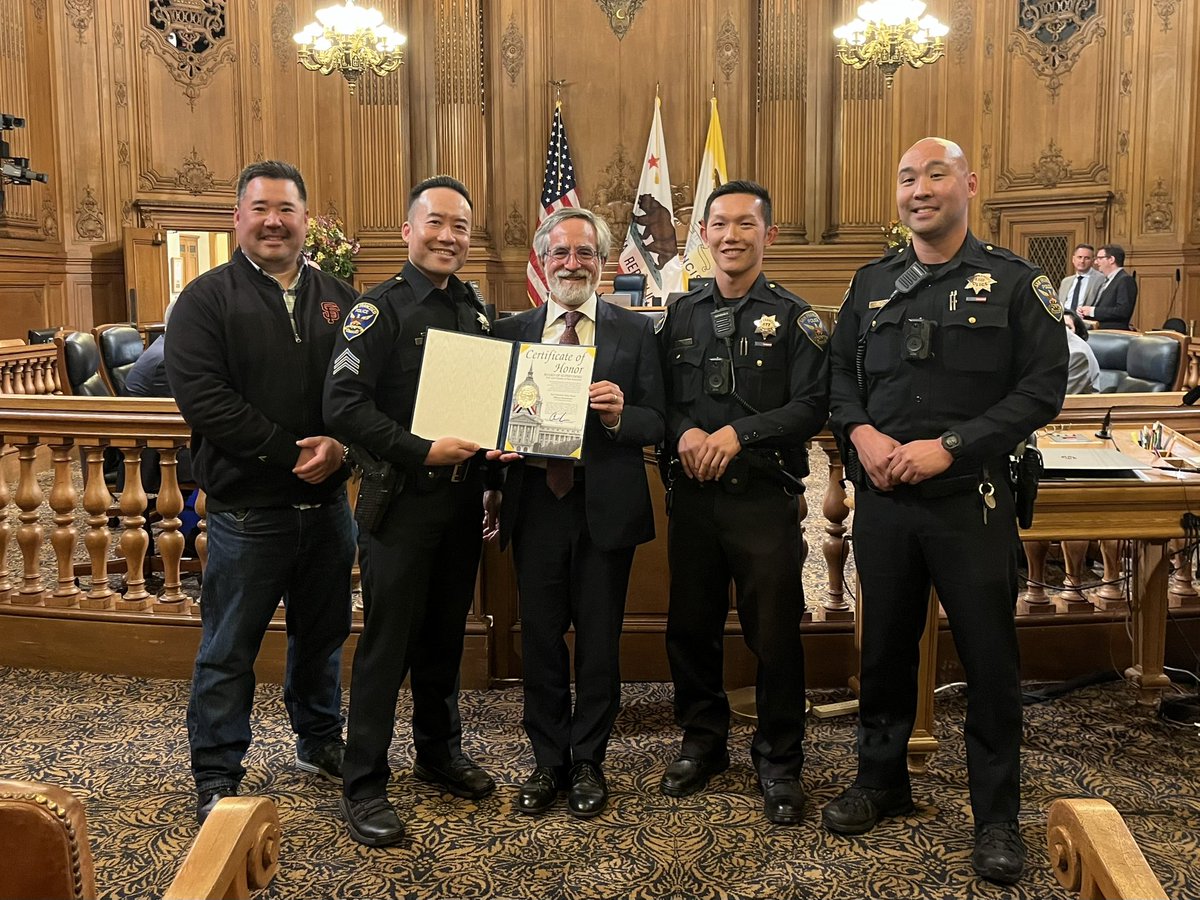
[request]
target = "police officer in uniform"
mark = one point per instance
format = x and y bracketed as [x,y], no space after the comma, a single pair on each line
[746,388]
[419,564]
[935,380]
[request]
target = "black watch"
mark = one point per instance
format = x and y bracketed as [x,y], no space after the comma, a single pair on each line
[952,442]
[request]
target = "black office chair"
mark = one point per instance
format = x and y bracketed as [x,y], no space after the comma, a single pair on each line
[79,365]
[633,285]
[120,346]
[1175,325]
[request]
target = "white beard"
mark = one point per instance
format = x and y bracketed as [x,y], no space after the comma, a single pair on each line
[571,293]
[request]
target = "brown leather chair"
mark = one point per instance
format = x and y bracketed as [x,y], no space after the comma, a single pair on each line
[46,856]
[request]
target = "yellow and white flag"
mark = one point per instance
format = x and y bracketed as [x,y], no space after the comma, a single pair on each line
[697,261]
[650,246]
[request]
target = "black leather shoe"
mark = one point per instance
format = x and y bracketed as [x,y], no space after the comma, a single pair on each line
[589,791]
[326,762]
[783,800]
[207,801]
[460,776]
[540,791]
[859,809]
[687,775]
[999,852]
[372,821]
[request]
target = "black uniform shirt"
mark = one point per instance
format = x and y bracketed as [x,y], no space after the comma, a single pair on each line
[997,370]
[372,385]
[778,351]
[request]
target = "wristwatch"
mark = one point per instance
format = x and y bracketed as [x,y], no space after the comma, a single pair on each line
[952,442]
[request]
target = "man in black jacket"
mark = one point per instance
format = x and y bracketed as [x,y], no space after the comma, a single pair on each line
[246,357]
[1117,296]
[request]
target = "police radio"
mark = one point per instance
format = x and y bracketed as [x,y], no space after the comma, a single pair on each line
[718,370]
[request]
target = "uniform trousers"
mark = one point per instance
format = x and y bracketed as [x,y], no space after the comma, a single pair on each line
[418,575]
[904,542]
[752,537]
[565,579]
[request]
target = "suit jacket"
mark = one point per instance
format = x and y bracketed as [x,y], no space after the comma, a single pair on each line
[619,513]
[1114,306]
[1092,282]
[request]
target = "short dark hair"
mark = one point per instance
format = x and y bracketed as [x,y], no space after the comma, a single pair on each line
[438,181]
[1088,247]
[1116,251]
[741,187]
[271,168]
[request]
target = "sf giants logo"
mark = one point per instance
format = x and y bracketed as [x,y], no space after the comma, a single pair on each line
[331,311]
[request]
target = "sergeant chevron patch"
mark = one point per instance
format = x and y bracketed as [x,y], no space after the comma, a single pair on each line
[346,361]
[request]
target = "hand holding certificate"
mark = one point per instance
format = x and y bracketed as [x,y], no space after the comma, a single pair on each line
[524,398]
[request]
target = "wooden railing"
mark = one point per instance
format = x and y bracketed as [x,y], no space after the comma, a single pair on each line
[29,369]
[1094,855]
[84,425]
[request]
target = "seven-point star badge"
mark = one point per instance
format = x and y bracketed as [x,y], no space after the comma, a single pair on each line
[766,326]
[981,281]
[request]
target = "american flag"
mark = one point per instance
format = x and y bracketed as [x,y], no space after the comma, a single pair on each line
[558,190]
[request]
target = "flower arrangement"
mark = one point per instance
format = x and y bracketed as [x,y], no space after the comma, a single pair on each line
[328,246]
[896,234]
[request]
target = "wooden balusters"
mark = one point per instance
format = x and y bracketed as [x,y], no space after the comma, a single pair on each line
[170,540]
[6,585]
[62,500]
[1071,598]
[29,534]
[1111,594]
[96,500]
[1181,590]
[1034,601]
[134,539]
[834,607]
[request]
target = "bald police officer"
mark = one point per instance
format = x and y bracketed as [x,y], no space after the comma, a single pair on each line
[934,382]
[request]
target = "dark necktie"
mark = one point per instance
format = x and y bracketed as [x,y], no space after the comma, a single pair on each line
[560,473]
[1075,293]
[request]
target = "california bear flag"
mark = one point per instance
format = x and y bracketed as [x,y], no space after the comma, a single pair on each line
[650,246]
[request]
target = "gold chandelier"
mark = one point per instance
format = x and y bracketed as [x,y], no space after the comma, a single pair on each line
[891,33]
[350,40]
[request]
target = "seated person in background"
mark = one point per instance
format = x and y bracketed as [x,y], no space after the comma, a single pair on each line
[148,377]
[1114,305]
[1083,371]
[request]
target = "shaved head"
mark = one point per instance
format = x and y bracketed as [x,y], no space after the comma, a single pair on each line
[934,186]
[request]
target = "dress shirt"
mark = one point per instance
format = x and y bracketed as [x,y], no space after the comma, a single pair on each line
[585,328]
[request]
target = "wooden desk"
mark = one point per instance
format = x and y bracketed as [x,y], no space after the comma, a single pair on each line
[1149,513]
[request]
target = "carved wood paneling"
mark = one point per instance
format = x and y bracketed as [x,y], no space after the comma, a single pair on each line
[782,89]
[459,114]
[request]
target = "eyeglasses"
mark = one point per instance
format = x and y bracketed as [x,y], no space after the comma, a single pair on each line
[1098,256]
[582,254]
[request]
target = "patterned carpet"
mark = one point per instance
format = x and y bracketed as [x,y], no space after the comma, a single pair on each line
[119,743]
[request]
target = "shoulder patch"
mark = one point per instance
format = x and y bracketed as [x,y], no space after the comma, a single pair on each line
[362,317]
[814,329]
[1047,296]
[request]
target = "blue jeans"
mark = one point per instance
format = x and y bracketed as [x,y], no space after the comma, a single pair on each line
[255,558]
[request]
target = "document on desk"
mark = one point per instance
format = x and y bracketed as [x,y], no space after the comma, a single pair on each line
[1082,462]
[527,398]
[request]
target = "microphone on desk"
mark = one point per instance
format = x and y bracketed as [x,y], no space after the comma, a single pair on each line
[1190,398]
[1105,435]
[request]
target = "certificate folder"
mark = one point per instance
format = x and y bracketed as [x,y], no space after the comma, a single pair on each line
[514,396]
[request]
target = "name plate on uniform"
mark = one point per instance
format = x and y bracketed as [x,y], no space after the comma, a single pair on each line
[527,398]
